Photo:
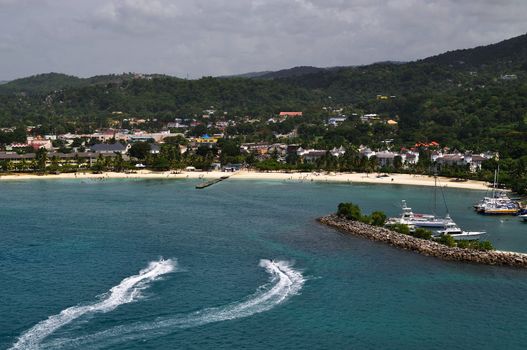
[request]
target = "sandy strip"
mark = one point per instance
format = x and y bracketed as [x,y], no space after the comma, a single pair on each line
[393,179]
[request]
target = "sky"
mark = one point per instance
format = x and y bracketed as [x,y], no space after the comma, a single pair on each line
[197,38]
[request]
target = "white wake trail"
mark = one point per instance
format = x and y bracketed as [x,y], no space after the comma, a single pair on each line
[288,283]
[284,283]
[129,290]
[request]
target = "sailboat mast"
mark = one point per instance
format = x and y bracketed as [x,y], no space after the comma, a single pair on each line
[497,176]
[494,185]
[435,194]
[444,201]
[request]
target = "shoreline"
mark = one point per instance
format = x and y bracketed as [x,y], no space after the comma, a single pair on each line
[424,247]
[392,179]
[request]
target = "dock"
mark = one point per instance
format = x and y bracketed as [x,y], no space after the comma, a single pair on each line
[209,183]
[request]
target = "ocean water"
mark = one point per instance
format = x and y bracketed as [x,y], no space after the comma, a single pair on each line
[157,264]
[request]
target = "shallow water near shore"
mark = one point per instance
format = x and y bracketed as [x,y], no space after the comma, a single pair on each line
[155,264]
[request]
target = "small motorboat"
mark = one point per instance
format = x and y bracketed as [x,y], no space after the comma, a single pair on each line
[458,234]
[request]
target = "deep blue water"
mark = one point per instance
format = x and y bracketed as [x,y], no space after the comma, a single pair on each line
[67,243]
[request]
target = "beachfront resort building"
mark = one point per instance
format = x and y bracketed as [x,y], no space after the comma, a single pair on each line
[473,161]
[108,148]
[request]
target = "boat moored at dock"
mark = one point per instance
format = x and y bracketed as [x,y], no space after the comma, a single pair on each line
[458,234]
[408,217]
[498,203]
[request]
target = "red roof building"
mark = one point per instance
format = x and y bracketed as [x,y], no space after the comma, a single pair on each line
[290,114]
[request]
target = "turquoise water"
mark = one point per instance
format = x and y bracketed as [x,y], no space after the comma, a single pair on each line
[153,264]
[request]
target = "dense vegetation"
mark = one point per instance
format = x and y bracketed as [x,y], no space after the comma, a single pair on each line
[472,99]
[353,212]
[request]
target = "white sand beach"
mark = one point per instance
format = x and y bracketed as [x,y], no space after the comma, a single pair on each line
[394,179]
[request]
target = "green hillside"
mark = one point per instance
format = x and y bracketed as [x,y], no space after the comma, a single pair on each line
[479,105]
[50,82]
[41,83]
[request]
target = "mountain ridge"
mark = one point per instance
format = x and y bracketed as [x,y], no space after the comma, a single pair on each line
[506,55]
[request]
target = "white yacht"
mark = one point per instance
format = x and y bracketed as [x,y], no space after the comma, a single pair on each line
[408,217]
[458,234]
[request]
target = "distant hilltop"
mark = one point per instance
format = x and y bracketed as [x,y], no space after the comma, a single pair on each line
[508,54]
[47,82]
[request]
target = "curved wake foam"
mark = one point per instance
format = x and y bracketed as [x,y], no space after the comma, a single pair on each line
[284,283]
[125,292]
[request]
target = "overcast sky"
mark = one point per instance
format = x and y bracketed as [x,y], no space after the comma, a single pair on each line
[218,37]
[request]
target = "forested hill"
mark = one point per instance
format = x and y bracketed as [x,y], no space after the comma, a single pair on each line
[49,82]
[159,97]
[448,72]
[41,83]
[480,104]
[293,72]
[508,53]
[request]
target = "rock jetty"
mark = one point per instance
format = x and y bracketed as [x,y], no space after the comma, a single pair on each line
[422,246]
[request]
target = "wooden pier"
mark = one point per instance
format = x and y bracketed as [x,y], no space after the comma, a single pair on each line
[210,182]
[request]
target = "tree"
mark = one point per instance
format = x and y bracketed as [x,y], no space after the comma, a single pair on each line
[54,164]
[373,163]
[99,164]
[401,228]
[292,158]
[485,245]
[118,163]
[398,162]
[140,150]
[198,130]
[447,240]
[230,151]
[350,211]
[41,158]
[161,163]
[378,218]
[422,233]
[175,140]
[19,134]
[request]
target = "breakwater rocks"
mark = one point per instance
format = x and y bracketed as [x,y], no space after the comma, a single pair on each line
[423,246]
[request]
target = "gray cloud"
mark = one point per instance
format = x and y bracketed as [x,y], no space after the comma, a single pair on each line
[214,37]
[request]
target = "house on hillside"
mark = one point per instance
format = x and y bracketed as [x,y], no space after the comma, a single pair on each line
[256,148]
[176,125]
[335,121]
[370,118]
[206,139]
[154,148]
[290,114]
[38,143]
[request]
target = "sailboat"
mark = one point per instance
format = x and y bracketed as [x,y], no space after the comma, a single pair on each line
[499,203]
